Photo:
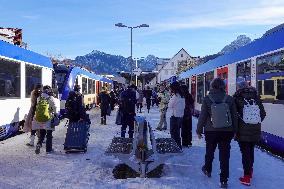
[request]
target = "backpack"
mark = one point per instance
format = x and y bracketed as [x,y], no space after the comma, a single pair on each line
[128,104]
[71,106]
[220,113]
[42,113]
[251,112]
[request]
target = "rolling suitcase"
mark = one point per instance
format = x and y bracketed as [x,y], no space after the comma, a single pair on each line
[77,137]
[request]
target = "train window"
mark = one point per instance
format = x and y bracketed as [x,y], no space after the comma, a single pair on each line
[94,86]
[270,70]
[200,88]
[84,85]
[33,77]
[90,88]
[209,76]
[243,72]
[10,79]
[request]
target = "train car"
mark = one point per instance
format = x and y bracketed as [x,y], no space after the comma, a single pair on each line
[20,71]
[261,63]
[91,84]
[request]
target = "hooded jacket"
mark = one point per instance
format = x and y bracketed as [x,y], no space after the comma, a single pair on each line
[204,121]
[248,132]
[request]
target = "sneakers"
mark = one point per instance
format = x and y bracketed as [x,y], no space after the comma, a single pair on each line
[164,128]
[159,128]
[206,172]
[223,184]
[37,150]
[245,180]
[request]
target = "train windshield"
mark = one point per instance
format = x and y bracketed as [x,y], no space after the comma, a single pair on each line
[61,76]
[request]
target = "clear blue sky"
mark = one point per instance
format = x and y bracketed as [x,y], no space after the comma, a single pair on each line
[76,27]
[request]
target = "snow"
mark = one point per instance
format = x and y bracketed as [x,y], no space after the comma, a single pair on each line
[22,168]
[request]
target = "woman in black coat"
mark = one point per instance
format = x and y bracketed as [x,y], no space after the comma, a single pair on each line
[248,134]
[186,131]
[104,100]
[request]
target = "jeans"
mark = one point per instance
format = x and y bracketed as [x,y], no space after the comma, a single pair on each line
[48,134]
[163,119]
[127,120]
[247,150]
[223,140]
[175,127]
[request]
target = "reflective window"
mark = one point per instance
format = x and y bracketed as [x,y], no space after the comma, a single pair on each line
[209,76]
[90,88]
[10,79]
[94,86]
[270,70]
[33,77]
[84,85]
[200,88]
[60,78]
[243,72]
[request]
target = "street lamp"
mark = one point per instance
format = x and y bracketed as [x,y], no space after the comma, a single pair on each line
[121,25]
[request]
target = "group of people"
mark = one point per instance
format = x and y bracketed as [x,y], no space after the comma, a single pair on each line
[223,118]
[41,117]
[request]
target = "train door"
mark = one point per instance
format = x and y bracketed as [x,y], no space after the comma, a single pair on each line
[223,74]
[98,87]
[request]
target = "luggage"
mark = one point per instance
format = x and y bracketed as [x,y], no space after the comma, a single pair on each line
[77,137]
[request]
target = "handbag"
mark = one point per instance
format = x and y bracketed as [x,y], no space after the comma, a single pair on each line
[55,121]
[118,118]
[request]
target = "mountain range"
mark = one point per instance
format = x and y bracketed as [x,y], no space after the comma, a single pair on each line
[103,63]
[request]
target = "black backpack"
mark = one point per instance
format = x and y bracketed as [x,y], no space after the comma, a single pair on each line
[72,106]
[128,102]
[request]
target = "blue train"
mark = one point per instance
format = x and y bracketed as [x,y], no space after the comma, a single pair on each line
[261,63]
[21,69]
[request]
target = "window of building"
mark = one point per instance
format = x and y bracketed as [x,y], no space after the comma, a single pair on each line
[243,72]
[90,86]
[33,77]
[200,88]
[181,55]
[209,76]
[10,79]
[270,70]
[84,85]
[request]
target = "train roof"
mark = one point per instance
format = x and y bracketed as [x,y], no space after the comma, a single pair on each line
[79,71]
[14,52]
[260,46]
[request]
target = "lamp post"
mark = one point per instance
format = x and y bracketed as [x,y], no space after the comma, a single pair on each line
[121,25]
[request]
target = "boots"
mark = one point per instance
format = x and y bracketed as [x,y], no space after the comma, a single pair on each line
[105,122]
[245,180]
[102,120]
[32,141]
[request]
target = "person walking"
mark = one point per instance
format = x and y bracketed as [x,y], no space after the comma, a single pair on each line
[28,122]
[45,111]
[219,121]
[250,115]
[164,100]
[176,110]
[127,108]
[139,104]
[112,100]
[186,130]
[148,96]
[75,108]
[104,101]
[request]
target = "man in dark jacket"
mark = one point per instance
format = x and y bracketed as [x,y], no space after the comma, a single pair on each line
[127,107]
[248,134]
[148,96]
[75,108]
[104,101]
[217,136]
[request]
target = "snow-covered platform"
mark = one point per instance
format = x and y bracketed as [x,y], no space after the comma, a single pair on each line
[21,168]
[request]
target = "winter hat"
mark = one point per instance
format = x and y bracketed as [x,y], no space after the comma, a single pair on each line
[242,84]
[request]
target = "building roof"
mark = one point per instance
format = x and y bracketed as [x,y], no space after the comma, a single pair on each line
[260,46]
